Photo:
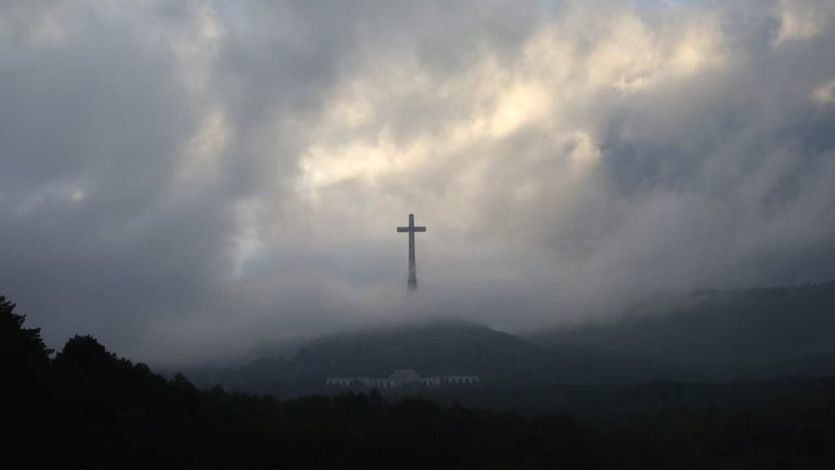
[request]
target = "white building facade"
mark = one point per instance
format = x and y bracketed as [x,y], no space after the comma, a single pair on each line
[402,378]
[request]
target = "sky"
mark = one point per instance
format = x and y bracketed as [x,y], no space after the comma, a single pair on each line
[189,180]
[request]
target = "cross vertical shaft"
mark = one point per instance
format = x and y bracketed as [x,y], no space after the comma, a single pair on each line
[412,267]
[411,230]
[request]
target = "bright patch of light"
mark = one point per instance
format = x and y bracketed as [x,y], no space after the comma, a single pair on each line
[825,94]
[798,21]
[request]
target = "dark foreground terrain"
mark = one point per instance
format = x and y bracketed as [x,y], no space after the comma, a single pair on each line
[86,408]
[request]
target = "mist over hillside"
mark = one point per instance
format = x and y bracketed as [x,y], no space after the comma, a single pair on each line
[735,334]
[711,335]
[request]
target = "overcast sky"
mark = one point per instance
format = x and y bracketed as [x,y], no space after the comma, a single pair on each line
[186,180]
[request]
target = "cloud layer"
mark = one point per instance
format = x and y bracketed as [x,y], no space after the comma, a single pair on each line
[185,180]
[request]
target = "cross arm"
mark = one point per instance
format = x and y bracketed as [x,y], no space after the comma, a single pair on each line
[420,229]
[402,229]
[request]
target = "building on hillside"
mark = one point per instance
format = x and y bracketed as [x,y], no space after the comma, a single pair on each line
[459,379]
[402,378]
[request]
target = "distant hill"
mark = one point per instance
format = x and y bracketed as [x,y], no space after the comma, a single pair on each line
[435,348]
[709,335]
[741,334]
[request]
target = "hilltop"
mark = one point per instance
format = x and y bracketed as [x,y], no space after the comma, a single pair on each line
[433,348]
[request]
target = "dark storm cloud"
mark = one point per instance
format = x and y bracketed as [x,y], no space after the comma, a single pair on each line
[185,180]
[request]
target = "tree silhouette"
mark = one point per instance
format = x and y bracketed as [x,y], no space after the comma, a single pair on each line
[25,387]
[21,349]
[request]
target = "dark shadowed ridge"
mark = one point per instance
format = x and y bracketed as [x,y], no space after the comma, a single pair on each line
[724,335]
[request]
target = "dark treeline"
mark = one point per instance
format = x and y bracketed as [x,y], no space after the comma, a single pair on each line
[87,408]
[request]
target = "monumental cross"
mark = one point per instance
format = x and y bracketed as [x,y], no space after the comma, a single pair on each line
[411,229]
